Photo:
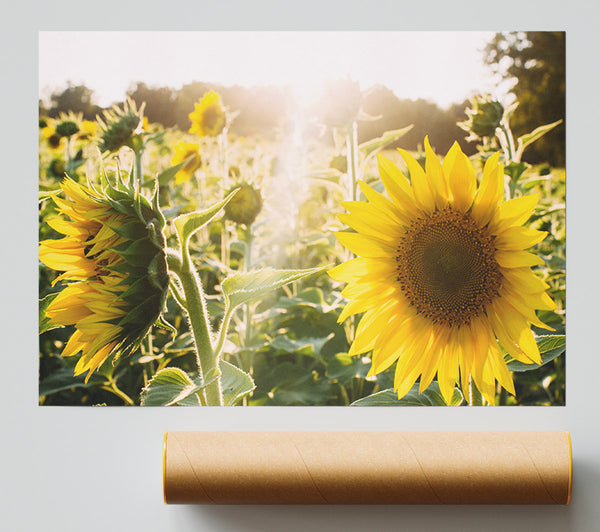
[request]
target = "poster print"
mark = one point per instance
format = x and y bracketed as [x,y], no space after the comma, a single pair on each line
[295,219]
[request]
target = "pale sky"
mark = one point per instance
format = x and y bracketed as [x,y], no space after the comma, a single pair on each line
[444,67]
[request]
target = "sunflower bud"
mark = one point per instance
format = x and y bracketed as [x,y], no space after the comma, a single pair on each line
[245,206]
[208,118]
[484,117]
[67,128]
[56,168]
[118,126]
[114,266]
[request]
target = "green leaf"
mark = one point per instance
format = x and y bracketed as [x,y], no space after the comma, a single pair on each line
[326,174]
[235,383]
[171,386]
[432,396]
[537,133]
[243,287]
[304,346]
[515,170]
[550,346]
[44,322]
[63,379]
[166,176]
[343,368]
[374,145]
[188,224]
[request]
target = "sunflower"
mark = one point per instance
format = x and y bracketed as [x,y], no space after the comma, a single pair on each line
[119,126]
[442,275]
[208,118]
[186,151]
[53,139]
[115,271]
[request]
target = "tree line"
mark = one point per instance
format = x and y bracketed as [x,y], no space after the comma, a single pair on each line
[533,61]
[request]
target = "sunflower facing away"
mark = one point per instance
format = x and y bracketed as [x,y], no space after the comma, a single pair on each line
[186,151]
[208,118]
[442,275]
[114,267]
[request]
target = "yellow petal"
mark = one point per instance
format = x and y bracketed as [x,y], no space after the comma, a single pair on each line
[448,367]
[397,187]
[490,192]
[517,259]
[518,238]
[501,371]
[358,267]
[514,212]
[523,280]
[369,327]
[435,173]
[520,304]
[421,189]
[383,204]
[518,329]
[365,246]
[371,214]
[461,179]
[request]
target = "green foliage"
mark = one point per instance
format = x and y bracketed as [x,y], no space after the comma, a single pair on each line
[535,62]
[244,287]
[432,396]
[283,344]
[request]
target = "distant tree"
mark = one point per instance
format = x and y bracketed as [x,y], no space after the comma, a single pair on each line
[427,119]
[160,103]
[535,62]
[76,98]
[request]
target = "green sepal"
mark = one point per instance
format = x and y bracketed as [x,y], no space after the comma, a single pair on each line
[131,230]
[187,224]
[156,208]
[138,253]
[164,324]
[140,312]
[139,286]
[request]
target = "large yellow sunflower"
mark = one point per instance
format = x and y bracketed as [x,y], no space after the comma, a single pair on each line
[186,151]
[115,271]
[442,274]
[208,118]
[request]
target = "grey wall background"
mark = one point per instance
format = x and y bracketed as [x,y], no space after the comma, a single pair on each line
[100,469]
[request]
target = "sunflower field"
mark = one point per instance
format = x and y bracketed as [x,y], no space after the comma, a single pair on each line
[199,267]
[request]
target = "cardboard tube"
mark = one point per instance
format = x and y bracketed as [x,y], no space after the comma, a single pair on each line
[367,467]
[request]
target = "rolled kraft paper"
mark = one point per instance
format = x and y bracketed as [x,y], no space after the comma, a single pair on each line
[367,467]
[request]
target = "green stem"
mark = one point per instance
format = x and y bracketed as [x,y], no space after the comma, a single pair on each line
[475,398]
[69,158]
[113,388]
[510,142]
[206,357]
[224,168]
[351,158]
[138,166]
[223,331]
